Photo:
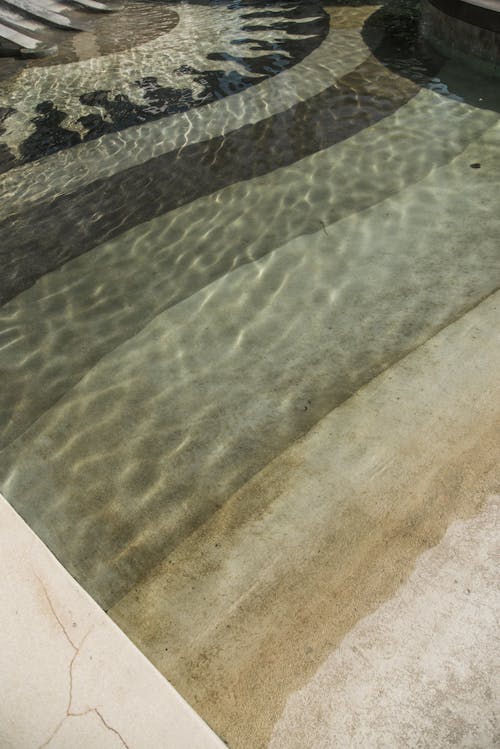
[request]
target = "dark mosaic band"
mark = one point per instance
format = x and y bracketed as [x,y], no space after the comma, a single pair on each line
[36,240]
[301,27]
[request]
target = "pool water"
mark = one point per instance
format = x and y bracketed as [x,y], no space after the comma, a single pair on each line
[219,220]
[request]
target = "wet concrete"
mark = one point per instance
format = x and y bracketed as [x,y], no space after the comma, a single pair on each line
[249,607]
[421,670]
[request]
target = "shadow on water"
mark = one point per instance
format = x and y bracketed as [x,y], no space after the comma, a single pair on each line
[406,52]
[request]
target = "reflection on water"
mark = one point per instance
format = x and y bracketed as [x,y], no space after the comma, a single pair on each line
[357,100]
[184,298]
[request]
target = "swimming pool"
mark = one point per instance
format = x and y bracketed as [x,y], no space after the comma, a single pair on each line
[220,220]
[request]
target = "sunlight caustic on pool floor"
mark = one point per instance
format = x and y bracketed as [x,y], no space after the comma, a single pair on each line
[214,233]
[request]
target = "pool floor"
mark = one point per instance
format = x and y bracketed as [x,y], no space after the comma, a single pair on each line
[248,337]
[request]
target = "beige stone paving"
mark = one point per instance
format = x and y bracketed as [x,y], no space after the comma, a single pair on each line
[69,678]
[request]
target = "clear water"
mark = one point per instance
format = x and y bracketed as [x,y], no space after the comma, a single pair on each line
[219,220]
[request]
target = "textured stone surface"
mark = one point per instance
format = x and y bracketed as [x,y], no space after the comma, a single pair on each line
[69,676]
[424,668]
[464,40]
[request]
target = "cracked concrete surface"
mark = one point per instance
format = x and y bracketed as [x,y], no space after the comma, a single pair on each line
[69,677]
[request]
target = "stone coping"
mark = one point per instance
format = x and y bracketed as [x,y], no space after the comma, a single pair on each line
[69,675]
[482,13]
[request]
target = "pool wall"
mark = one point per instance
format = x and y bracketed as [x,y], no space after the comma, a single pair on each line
[465,30]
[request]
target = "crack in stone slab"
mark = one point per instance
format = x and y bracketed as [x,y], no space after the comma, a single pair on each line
[51,606]
[76,648]
[110,728]
[69,712]
[97,712]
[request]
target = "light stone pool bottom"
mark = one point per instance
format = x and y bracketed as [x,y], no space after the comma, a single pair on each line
[185,298]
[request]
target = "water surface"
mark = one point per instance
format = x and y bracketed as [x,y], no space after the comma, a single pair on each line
[219,220]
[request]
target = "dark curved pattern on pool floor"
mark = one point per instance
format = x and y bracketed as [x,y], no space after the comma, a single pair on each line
[36,240]
[168,329]
[56,129]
